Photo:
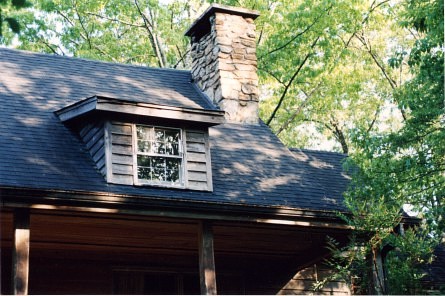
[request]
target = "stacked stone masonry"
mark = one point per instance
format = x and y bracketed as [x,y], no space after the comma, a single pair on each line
[225,66]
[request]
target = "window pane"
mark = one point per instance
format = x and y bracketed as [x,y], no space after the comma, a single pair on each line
[144,161]
[159,135]
[158,162]
[172,142]
[173,168]
[171,135]
[144,132]
[158,147]
[158,174]
[172,148]
[144,146]
[144,167]
[144,173]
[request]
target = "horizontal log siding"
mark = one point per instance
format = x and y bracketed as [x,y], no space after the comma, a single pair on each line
[121,153]
[93,137]
[198,169]
[303,283]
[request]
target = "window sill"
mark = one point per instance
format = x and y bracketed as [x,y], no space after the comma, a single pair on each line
[160,185]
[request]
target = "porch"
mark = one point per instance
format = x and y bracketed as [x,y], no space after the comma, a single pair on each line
[86,252]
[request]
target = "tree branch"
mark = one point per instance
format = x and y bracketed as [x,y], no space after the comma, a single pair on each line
[340,136]
[283,95]
[273,75]
[73,25]
[153,38]
[297,35]
[87,35]
[65,17]
[48,45]
[182,57]
[115,20]
[296,112]
[373,120]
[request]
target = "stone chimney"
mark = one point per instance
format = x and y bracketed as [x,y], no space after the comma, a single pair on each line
[224,63]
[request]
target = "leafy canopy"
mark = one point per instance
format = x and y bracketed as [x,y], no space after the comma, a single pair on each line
[406,168]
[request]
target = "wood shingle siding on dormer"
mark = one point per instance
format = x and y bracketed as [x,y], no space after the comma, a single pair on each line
[92,135]
[198,168]
[120,153]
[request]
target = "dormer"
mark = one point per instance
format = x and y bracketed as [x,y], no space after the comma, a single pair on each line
[141,144]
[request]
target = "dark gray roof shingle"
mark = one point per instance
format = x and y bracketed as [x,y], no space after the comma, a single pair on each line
[326,167]
[39,76]
[250,165]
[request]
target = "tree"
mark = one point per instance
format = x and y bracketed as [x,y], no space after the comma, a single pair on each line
[7,15]
[140,32]
[406,167]
[323,70]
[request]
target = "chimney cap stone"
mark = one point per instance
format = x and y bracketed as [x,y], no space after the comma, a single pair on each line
[201,26]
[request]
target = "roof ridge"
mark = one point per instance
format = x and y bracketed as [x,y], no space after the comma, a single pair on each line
[28,52]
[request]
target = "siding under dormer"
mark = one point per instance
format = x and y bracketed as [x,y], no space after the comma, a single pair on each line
[197,162]
[119,138]
[92,135]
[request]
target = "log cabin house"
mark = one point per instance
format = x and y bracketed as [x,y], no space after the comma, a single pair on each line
[121,179]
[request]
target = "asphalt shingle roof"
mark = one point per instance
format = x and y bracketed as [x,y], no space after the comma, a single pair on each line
[250,165]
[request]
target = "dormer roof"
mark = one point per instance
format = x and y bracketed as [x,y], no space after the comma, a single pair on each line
[101,105]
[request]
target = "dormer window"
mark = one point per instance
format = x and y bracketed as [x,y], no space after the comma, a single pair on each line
[142,144]
[159,155]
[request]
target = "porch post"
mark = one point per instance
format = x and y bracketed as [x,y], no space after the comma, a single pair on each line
[378,281]
[20,252]
[207,273]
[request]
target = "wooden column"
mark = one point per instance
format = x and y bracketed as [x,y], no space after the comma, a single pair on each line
[20,252]
[378,281]
[207,273]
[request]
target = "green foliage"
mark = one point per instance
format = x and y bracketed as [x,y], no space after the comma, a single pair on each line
[406,166]
[13,24]
[349,265]
[8,15]
[140,32]
[319,70]
[404,263]
[411,252]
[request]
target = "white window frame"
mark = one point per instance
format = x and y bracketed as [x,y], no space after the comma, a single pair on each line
[136,153]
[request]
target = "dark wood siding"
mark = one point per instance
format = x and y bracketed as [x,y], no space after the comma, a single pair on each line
[198,169]
[303,282]
[93,137]
[120,153]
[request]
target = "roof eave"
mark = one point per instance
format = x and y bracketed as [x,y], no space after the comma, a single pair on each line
[178,208]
